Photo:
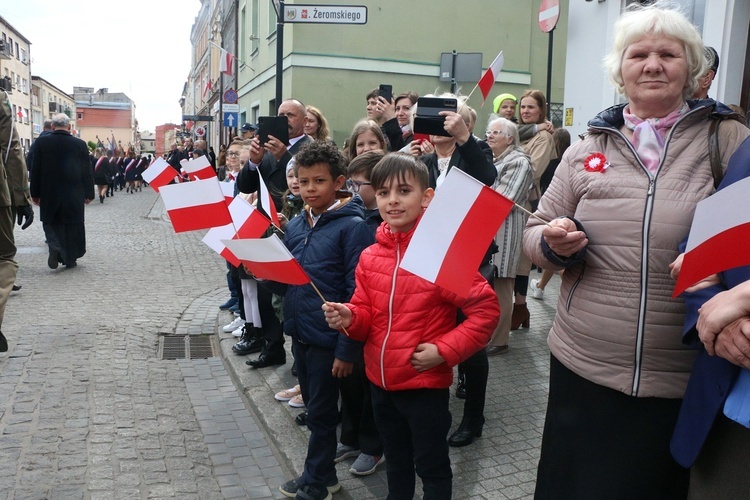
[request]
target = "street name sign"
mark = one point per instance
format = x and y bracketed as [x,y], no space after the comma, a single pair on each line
[325,14]
[231,108]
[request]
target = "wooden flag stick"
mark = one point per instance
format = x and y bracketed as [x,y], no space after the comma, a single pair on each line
[324,300]
[531,214]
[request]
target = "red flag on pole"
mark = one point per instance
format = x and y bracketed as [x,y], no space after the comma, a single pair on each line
[199,168]
[265,201]
[226,66]
[489,76]
[455,232]
[195,205]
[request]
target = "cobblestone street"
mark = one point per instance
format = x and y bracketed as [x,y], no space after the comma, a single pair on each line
[89,410]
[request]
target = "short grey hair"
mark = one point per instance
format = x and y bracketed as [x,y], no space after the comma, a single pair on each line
[508,126]
[47,125]
[60,120]
[661,18]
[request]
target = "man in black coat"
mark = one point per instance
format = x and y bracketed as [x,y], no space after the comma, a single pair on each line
[61,183]
[271,159]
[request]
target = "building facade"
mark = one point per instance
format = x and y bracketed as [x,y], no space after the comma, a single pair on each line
[106,117]
[334,66]
[166,134]
[48,100]
[15,66]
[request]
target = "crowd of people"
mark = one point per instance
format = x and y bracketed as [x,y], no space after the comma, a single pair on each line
[611,211]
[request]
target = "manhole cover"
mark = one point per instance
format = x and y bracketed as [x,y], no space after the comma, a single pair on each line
[186,347]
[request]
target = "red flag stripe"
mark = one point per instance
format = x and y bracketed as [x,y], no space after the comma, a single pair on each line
[162,179]
[719,253]
[471,239]
[230,257]
[288,271]
[199,217]
[254,226]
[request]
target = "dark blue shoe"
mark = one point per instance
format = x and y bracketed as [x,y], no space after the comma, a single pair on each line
[235,309]
[228,304]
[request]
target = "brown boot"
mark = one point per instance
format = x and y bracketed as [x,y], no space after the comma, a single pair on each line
[520,317]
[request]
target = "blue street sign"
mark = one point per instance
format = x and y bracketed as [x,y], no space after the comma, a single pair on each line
[231,119]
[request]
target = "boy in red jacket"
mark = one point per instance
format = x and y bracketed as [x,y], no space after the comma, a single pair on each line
[411,339]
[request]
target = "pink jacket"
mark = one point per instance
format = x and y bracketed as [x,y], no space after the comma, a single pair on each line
[394,311]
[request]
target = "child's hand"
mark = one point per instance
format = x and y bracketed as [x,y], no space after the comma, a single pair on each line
[674,271]
[338,316]
[426,356]
[342,369]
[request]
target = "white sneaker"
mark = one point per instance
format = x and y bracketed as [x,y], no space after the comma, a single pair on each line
[239,330]
[536,292]
[236,323]
[288,394]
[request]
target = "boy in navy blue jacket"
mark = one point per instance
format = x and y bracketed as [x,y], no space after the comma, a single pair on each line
[326,238]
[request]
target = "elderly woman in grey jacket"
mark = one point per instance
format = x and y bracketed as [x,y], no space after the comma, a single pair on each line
[619,205]
[515,178]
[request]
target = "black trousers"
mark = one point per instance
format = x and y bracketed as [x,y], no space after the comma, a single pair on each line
[272,331]
[414,425]
[601,443]
[475,370]
[358,427]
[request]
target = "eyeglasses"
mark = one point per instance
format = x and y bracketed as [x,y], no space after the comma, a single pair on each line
[496,132]
[355,186]
[233,153]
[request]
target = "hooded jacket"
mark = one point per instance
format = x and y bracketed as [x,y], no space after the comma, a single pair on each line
[395,310]
[328,252]
[617,324]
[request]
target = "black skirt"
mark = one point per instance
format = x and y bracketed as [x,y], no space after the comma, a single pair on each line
[600,443]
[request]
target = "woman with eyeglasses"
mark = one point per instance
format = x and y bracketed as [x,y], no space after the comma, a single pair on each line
[515,179]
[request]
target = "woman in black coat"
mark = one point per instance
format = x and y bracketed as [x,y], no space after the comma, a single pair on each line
[100,166]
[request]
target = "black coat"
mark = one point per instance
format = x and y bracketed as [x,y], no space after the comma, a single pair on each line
[473,157]
[61,178]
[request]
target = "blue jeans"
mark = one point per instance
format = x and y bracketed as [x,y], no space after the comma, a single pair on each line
[320,390]
[414,426]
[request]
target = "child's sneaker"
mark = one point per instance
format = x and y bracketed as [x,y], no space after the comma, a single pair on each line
[366,464]
[288,394]
[536,292]
[289,489]
[343,452]
[297,401]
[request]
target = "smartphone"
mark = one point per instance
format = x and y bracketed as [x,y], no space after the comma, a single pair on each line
[386,92]
[277,126]
[428,119]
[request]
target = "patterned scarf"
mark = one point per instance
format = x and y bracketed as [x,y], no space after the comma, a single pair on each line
[649,134]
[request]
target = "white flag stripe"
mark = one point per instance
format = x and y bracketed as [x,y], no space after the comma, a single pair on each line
[549,13]
[228,189]
[259,250]
[712,217]
[240,209]
[196,164]
[191,194]
[214,236]
[451,203]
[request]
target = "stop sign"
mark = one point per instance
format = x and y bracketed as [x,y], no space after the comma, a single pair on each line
[549,13]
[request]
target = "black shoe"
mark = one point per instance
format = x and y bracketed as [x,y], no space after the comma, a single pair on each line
[494,350]
[461,387]
[3,343]
[301,419]
[250,342]
[265,360]
[16,287]
[54,259]
[313,492]
[466,432]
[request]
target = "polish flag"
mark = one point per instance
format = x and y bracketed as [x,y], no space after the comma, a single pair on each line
[199,169]
[159,173]
[455,231]
[718,236]
[268,258]
[213,239]
[195,205]
[226,66]
[265,200]
[489,76]
[248,221]
[227,188]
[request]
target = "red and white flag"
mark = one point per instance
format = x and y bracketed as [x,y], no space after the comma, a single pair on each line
[195,205]
[455,232]
[248,221]
[226,66]
[213,239]
[227,188]
[718,236]
[266,202]
[199,168]
[268,258]
[159,173]
[489,76]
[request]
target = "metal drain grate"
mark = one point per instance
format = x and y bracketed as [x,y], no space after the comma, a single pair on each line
[186,347]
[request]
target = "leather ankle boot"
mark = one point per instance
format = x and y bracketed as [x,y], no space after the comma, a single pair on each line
[520,317]
[470,428]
